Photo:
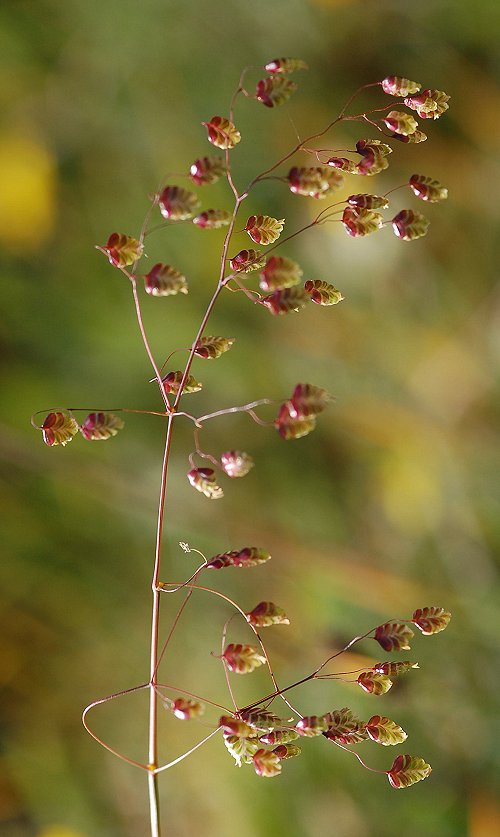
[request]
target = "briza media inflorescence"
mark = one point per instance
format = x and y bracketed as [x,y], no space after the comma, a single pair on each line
[253,734]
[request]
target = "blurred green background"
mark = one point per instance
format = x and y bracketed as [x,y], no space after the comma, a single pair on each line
[391,504]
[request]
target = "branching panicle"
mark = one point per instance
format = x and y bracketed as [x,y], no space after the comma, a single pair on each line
[253,734]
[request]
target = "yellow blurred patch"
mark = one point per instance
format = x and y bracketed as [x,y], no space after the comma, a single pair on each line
[409,475]
[410,489]
[27,195]
[60,831]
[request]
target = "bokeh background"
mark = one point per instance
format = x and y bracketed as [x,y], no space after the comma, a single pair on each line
[391,504]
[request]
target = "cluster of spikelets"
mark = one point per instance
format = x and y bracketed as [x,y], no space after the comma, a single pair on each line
[281,278]
[177,203]
[59,428]
[257,737]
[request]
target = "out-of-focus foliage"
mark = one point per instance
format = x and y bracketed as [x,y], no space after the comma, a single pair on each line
[391,503]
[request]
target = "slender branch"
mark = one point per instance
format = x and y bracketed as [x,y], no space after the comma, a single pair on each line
[186,754]
[356,94]
[242,289]
[96,737]
[279,693]
[215,462]
[181,349]
[374,125]
[358,116]
[155,614]
[258,420]
[344,649]
[146,341]
[356,755]
[190,694]
[315,673]
[339,674]
[227,410]
[161,226]
[239,89]
[325,212]
[188,581]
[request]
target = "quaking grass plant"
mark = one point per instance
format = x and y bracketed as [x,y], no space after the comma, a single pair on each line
[253,734]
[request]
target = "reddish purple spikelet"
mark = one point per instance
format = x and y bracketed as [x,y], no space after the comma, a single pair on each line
[207,170]
[187,709]
[222,132]
[123,250]
[431,620]
[394,636]
[247,260]
[177,204]
[285,300]
[429,104]
[101,426]
[58,429]
[427,189]
[263,229]
[409,225]
[266,763]
[274,90]
[399,86]
[243,659]
[172,381]
[374,154]
[374,683]
[265,614]
[343,164]
[212,219]
[236,463]
[204,480]
[406,770]
[285,65]
[165,280]
[314,181]
[361,222]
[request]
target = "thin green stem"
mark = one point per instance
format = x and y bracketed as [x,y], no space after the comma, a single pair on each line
[154,805]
